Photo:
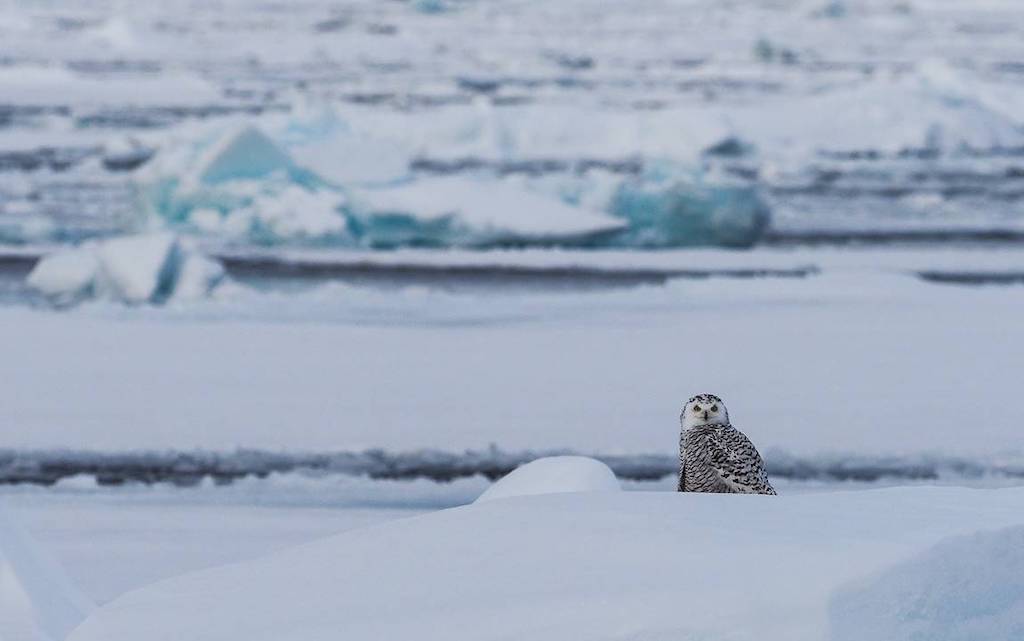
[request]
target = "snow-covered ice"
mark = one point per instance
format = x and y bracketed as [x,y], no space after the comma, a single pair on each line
[456,211]
[147,268]
[596,565]
[554,474]
[456,367]
[969,588]
[37,600]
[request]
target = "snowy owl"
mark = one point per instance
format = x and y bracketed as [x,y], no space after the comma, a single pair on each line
[713,455]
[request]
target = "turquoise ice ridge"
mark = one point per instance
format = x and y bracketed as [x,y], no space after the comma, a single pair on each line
[322,184]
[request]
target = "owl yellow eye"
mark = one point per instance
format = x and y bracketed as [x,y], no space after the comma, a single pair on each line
[714,408]
[696,408]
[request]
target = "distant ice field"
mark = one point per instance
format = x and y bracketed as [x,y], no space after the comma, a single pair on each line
[861,357]
[854,121]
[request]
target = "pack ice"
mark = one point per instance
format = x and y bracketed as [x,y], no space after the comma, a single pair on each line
[608,565]
[148,268]
[312,178]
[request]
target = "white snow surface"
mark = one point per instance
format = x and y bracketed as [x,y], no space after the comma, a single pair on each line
[586,565]
[606,371]
[554,474]
[967,589]
[37,600]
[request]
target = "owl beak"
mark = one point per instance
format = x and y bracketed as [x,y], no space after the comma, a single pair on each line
[705,415]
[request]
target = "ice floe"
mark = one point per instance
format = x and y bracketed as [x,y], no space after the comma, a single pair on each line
[676,208]
[313,177]
[148,268]
[459,211]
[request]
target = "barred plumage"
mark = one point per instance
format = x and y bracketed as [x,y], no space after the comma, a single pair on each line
[714,456]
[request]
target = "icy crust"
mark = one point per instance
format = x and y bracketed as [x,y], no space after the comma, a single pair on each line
[597,565]
[37,600]
[554,474]
[148,268]
[967,589]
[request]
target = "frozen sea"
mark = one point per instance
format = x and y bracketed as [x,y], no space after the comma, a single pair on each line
[458,235]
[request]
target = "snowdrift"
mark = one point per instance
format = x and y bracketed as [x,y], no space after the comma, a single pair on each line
[37,600]
[967,589]
[593,565]
[554,474]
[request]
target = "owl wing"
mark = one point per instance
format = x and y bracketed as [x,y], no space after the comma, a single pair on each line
[737,462]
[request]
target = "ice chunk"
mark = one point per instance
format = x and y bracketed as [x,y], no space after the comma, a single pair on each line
[966,589]
[66,276]
[679,210]
[37,600]
[138,269]
[296,212]
[322,142]
[206,219]
[197,276]
[458,211]
[245,152]
[554,474]
[148,268]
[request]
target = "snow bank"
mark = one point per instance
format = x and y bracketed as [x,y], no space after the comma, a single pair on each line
[149,268]
[596,565]
[554,474]
[37,600]
[967,589]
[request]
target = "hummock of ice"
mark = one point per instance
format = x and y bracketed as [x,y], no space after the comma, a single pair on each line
[966,589]
[671,208]
[149,268]
[312,178]
[458,211]
[554,474]
[37,600]
[589,565]
[240,184]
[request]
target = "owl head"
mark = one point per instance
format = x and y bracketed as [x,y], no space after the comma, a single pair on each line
[703,409]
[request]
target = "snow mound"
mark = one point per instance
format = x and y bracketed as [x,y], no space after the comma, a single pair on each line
[592,565]
[966,589]
[37,600]
[149,268]
[554,474]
